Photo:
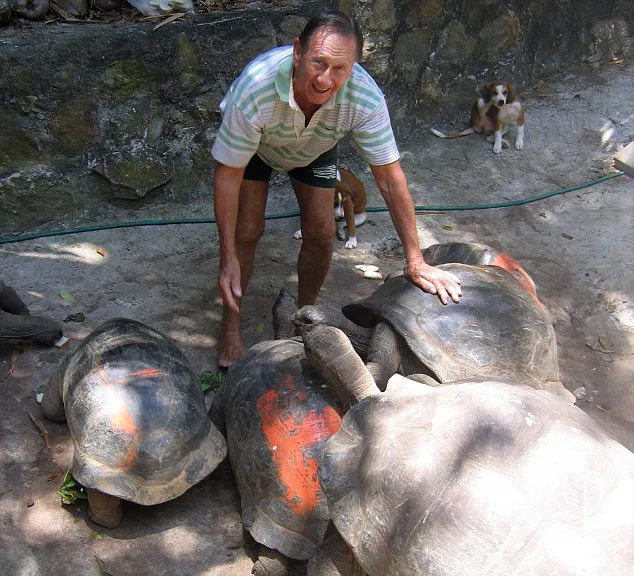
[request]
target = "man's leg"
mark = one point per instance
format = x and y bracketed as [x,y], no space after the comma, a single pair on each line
[249,230]
[316,206]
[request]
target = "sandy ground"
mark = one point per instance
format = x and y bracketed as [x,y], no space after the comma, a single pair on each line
[576,246]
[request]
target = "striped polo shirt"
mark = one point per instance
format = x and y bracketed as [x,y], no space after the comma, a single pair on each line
[260,115]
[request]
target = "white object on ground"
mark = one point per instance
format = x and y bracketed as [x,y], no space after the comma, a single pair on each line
[367,267]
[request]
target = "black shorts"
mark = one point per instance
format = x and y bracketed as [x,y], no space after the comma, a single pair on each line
[321,172]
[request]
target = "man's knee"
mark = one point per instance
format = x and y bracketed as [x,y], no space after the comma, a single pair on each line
[249,232]
[319,234]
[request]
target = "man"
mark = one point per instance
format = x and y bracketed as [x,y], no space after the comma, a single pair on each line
[287,111]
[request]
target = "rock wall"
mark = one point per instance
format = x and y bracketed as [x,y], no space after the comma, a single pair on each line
[100,122]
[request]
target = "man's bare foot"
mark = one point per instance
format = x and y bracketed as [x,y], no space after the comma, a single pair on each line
[230,346]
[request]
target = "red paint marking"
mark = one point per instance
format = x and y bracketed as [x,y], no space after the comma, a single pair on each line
[288,438]
[122,420]
[511,265]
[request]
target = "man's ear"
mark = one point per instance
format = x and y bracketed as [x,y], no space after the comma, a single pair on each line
[297,52]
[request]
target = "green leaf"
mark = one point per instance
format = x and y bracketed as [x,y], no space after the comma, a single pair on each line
[67,296]
[71,490]
[259,327]
[603,344]
[210,380]
[447,227]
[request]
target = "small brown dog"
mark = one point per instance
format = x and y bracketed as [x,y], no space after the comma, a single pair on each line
[492,114]
[350,201]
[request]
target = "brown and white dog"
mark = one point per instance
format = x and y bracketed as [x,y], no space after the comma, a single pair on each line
[492,114]
[350,201]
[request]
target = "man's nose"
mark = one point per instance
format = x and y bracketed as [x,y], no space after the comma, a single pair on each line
[325,77]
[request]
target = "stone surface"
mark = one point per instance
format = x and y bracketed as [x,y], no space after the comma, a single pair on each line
[71,95]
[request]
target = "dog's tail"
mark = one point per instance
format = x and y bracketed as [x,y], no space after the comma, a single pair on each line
[464,132]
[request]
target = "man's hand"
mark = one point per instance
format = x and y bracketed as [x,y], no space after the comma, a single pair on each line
[435,281]
[229,283]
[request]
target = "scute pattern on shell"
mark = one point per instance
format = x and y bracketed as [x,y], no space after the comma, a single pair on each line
[479,478]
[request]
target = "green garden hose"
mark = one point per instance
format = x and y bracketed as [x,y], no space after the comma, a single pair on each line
[296,214]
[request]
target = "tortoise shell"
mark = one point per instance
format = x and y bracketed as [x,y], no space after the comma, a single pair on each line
[479,478]
[498,328]
[137,415]
[278,416]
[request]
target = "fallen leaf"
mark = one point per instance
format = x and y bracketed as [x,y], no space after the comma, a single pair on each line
[168,20]
[102,567]
[210,380]
[67,296]
[55,474]
[40,428]
[101,251]
[96,536]
[447,227]
[603,344]
[259,327]
[13,362]
[599,348]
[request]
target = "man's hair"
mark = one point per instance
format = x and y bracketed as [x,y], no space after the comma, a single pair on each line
[333,21]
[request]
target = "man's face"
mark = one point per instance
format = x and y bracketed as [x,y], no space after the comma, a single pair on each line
[323,68]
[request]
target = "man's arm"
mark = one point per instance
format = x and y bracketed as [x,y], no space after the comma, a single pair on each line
[227,183]
[392,184]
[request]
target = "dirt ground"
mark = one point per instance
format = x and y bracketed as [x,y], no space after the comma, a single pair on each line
[576,246]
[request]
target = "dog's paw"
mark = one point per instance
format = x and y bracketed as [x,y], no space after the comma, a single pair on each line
[352,242]
[298,235]
[497,148]
[519,144]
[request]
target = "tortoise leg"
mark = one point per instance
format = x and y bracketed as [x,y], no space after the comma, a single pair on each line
[384,357]
[270,563]
[558,389]
[37,329]
[10,301]
[53,402]
[105,510]
[334,558]
[283,311]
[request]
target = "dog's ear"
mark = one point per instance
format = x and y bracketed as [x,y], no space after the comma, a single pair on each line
[510,96]
[485,91]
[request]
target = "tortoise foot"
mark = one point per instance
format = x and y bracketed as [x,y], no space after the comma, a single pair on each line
[270,563]
[105,510]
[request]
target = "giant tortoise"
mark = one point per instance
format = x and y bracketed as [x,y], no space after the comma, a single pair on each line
[498,329]
[475,478]
[137,418]
[277,414]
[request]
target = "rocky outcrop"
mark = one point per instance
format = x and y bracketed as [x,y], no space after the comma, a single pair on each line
[98,120]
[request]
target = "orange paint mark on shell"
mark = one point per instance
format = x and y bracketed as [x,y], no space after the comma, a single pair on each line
[511,265]
[146,372]
[122,420]
[290,433]
[129,458]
